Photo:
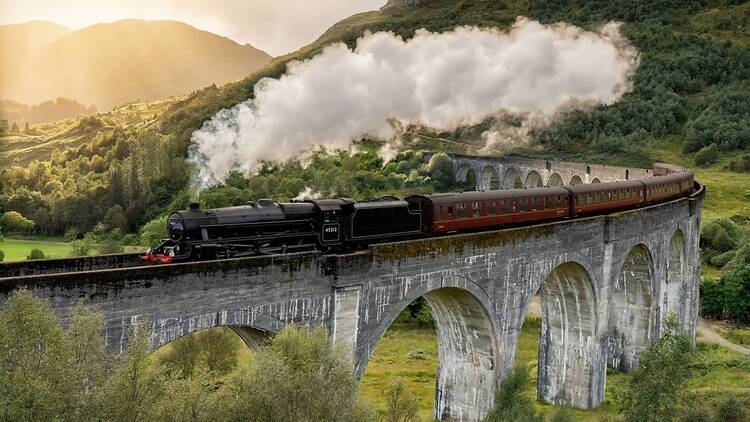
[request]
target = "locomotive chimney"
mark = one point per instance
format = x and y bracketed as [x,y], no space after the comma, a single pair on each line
[194,206]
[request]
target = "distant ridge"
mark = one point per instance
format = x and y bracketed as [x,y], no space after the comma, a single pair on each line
[113,63]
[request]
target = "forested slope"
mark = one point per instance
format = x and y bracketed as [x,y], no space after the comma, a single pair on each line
[691,91]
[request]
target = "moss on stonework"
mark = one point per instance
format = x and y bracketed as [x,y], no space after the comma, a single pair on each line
[457,244]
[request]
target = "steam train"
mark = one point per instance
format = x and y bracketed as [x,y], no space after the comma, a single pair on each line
[342,225]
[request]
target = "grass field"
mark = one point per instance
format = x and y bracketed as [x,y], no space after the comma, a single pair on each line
[19,249]
[719,372]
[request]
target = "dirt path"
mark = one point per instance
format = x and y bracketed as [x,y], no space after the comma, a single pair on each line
[707,329]
[709,333]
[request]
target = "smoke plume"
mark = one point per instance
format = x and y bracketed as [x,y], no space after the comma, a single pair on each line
[440,80]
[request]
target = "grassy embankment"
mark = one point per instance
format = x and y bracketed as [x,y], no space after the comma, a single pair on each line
[719,372]
[17,249]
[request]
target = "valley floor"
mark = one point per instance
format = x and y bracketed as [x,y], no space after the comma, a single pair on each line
[719,371]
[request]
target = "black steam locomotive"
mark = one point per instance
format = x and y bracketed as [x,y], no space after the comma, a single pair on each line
[341,225]
[267,227]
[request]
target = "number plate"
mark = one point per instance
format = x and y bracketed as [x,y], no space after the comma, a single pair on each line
[330,232]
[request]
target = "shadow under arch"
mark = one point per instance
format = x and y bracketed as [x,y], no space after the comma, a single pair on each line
[466,176]
[512,179]
[555,180]
[575,180]
[533,180]
[631,309]
[675,287]
[596,180]
[467,347]
[253,329]
[489,179]
[568,344]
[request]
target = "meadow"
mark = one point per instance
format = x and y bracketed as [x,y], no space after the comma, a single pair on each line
[17,249]
[719,373]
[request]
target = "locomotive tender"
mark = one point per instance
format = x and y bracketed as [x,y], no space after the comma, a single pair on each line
[342,225]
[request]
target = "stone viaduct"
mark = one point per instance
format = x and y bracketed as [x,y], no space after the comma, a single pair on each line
[607,285]
[509,173]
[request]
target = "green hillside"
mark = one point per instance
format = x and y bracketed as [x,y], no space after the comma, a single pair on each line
[690,92]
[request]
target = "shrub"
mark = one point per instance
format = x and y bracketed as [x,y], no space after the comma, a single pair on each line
[71,235]
[732,410]
[2,256]
[721,260]
[707,155]
[81,247]
[13,221]
[154,232]
[740,164]
[512,403]
[657,387]
[401,406]
[36,254]
[112,246]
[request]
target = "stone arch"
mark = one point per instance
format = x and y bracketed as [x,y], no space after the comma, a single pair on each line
[674,288]
[512,179]
[555,180]
[468,347]
[489,179]
[466,175]
[254,329]
[533,180]
[567,344]
[575,180]
[631,309]
[596,180]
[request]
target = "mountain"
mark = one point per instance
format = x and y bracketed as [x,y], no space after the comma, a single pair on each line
[114,63]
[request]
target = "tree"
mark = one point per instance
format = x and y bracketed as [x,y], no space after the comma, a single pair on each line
[81,247]
[14,128]
[214,350]
[154,232]
[2,256]
[298,376]
[401,406]
[441,170]
[13,221]
[36,254]
[657,390]
[707,155]
[137,385]
[512,403]
[33,357]
[26,129]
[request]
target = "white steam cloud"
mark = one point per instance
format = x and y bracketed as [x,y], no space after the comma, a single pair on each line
[442,81]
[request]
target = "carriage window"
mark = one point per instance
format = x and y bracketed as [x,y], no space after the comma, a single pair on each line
[475,210]
[442,213]
[504,206]
[461,210]
[515,206]
[548,202]
[450,212]
[524,204]
[492,209]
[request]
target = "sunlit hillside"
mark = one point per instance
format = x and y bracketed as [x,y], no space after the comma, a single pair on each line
[113,63]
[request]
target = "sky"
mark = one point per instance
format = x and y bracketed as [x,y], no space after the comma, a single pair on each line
[275,26]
